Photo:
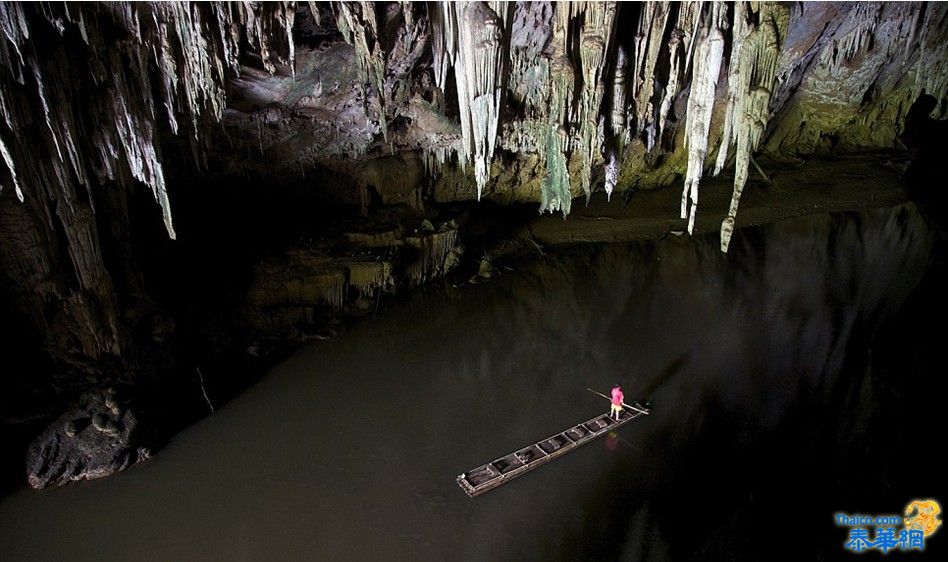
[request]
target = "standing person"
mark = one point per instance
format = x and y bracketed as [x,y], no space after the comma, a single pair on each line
[617,398]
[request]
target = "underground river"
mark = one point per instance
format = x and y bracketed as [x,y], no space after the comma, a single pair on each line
[791,379]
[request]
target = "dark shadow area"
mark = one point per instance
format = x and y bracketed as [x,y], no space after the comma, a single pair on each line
[927,141]
[781,380]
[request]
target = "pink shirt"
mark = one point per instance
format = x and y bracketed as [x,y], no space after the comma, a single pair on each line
[617,396]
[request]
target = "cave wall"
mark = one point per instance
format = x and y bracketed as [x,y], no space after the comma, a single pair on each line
[413,104]
[85,90]
[849,88]
[591,96]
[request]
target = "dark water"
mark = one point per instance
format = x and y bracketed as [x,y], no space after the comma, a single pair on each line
[791,379]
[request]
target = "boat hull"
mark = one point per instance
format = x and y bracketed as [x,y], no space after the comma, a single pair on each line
[508,467]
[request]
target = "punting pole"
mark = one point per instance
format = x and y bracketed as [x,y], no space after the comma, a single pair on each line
[624,404]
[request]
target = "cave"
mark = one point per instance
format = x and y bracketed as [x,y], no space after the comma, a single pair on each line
[305,280]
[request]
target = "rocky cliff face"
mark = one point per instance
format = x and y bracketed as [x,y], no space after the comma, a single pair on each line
[407,104]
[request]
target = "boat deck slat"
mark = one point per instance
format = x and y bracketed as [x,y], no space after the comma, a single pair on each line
[504,469]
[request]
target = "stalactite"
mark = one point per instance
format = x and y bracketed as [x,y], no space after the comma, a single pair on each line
[178,40]
[90,86]
[481,58]
[444,33]
[618,123]
[612,174]
[619,117]
[269,31]
[753,69]
[866,18]
[529,69]
[736,86]
[443,40]
[556,194]
[707,67]
[8,160]
[369,276]
[648,45]
[437,254]
[332,289]
[680,49]
[470,36]
[359,27]
[594,41]
[171,62]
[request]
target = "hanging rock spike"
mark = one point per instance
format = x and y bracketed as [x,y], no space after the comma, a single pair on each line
[359,27]
[556,194]
[751,79]
[648,45]
[80,119]
[708,56]
[594,42]
[680,49]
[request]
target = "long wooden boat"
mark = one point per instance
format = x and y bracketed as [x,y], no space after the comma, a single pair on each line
[500,471]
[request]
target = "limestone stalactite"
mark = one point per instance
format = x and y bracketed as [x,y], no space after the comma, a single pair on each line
[753,69]
[865,21]
[680,50]
[87,73]
[172,42]
[471,37]
[618,123]
[556,194]
[648,46]
[707,67]
[594,42]
[359,26]
[481,61]
[443,40]
[559,77]
[92,94]
[618,116]
[557,59]
[548,82]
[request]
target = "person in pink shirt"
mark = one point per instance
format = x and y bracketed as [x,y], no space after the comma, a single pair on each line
[617,398]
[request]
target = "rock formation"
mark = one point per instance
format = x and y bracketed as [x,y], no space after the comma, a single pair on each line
[348,276]
[90,88]
[407,105]
[96,90]
[96,437]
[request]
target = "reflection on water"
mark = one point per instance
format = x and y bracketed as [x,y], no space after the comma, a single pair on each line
[757,364]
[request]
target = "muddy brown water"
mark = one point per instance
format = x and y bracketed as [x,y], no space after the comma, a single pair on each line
[766,398]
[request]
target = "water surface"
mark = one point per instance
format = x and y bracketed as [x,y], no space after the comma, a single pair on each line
[759,365]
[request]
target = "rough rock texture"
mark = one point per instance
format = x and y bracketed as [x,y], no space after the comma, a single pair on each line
[707,68]
[84,90]
[850,87]
[410,104]
[115,117]
[582,109]
[347,277]
[758,32]
[96,437]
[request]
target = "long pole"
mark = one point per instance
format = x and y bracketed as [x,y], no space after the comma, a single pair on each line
[200,376]
[646,412]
